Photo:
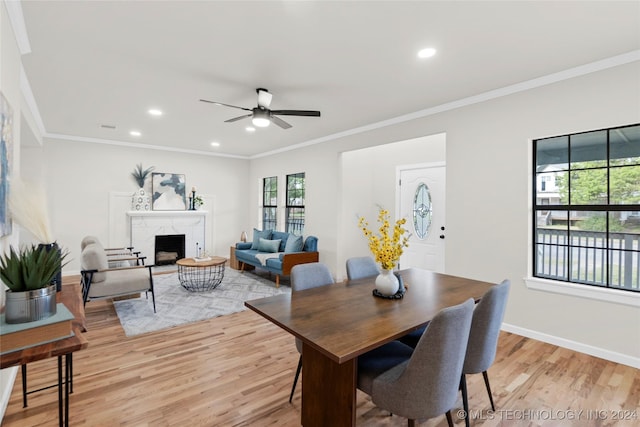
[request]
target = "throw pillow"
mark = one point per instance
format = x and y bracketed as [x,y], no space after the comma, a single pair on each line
[282,235]
[269,245]
[257,235]
[294,244]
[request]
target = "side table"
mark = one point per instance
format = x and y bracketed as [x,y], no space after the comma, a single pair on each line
[71,297]
[234,263]
[201,276]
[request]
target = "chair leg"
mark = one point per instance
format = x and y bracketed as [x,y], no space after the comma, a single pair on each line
[295,380]
[449,419]
[465,399]
[153,293]
[411,423]
[486,383]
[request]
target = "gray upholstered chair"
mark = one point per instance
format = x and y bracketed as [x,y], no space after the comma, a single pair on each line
[423,383]
[100,281]
[483,339]
[117,257]
[359,267]
[307,276]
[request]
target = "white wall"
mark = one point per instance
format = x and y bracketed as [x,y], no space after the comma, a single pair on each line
[79,178]
[10,88]
[488,204]
[369,180]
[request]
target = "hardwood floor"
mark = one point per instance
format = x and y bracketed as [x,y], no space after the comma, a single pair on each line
[237,370]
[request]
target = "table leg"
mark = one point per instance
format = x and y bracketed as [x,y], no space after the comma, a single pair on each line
[60,414]
[70,356]
[328,390]
[67,372]
[23,371]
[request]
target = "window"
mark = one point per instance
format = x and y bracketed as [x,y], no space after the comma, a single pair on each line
[586,226]
[295,203]
[269,203]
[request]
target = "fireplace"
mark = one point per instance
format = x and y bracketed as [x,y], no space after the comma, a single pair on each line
[146,225]
[169,248]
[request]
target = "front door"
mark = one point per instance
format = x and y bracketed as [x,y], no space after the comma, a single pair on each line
[422,203]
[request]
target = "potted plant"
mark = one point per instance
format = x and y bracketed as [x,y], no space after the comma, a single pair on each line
[28,273]
[140,201]
[198,201]
[386,247]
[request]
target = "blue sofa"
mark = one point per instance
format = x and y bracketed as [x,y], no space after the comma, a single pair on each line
[276,251]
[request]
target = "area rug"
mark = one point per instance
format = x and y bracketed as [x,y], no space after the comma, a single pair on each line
[177,306]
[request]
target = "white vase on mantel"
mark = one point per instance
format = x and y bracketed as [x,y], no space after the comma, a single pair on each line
[140,200]
[387,282]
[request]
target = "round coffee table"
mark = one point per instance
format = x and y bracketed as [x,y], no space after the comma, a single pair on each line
[201,276]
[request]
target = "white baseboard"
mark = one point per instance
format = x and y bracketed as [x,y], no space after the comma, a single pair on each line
[574,345]
[7,378]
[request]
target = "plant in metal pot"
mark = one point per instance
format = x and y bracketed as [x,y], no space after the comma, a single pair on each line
[28,273]
[140,175]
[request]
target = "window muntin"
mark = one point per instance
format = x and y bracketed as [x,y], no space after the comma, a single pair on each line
[587,228]
[269,203]
[295,212]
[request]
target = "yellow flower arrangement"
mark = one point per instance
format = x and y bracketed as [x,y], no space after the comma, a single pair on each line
[386,247]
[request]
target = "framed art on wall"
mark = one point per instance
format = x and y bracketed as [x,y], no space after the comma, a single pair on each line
[168,192]
[6,150]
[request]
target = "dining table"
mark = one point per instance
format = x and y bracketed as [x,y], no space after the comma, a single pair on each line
[339,322]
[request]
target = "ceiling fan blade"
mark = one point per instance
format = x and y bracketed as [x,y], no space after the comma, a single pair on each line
[280,122]
[235,119]
[308,113]
[225,105]
[264,98]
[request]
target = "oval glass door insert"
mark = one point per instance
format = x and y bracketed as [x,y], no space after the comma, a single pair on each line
[422,211]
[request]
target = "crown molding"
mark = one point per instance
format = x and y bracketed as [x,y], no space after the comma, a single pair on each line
[14,10]
[570,73]
[138,145]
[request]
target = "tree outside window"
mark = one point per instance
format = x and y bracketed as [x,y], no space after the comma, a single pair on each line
[295,211]
[269,203]
[587,229]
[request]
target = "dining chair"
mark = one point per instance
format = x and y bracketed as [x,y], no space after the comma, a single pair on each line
[359,267]
[483,339]
[307,276]
[421,382]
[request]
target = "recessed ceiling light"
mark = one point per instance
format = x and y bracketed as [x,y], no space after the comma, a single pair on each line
[135,133]
[250,129]
[426,53]
[215,144]
[155,112]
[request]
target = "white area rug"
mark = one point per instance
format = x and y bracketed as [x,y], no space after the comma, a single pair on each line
[177,306]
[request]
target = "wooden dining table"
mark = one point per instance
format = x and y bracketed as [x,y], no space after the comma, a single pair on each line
[337,323]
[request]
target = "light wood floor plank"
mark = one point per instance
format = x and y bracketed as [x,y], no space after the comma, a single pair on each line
[237,370]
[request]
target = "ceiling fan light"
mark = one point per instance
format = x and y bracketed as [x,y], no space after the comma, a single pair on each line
[260,118]
[260,122]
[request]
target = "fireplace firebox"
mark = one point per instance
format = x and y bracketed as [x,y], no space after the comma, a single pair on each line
[169,248]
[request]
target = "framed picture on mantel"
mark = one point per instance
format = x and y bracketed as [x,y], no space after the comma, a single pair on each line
[168,192]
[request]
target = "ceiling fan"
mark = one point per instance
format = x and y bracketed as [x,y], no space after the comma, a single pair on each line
[262,116]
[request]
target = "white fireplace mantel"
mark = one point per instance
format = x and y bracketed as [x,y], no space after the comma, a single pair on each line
[146,225]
